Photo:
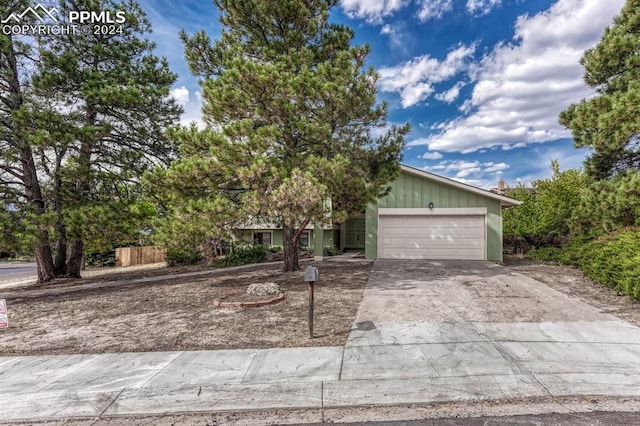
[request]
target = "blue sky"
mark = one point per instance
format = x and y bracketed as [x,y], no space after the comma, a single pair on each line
[480,81]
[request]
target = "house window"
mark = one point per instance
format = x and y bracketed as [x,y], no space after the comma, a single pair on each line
[263,238]
[304,239]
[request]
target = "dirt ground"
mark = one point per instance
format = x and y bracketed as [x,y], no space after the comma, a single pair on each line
[573,282]
[179,314]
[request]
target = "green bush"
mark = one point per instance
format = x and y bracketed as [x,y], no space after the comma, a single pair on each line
[613,261]
[331,251]
[98,260]
[183,256]
[245,254]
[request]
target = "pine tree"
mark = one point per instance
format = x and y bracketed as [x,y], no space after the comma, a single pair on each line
[21,188]
[295,107]
[116,94]
[608,122]
[85,118]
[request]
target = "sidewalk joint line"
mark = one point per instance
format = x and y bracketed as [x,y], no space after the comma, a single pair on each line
[244,376]
[542,385]
[91,360]
[341,364]
[111,403]
[162,369]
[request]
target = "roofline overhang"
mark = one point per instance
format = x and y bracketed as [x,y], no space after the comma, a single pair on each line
[504,201]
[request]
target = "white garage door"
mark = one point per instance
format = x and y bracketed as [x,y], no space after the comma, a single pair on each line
[432,237]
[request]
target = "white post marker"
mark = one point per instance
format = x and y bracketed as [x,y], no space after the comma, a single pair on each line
[4,319]
[311,276]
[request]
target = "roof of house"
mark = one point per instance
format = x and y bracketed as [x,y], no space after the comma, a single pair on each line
[504,201]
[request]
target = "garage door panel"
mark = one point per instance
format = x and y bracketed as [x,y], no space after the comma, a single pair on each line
[470,234]
[432,237]
[423,239]
[468,222]
[442,222]
[394,239]
[442,234]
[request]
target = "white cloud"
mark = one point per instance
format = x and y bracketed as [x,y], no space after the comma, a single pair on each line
[414,79]
[495,167]
[418,142]
[372,10]
[450,95]
[522,86]
[192,106]
[483,175]
[396,37]
[181,95]
[481,7]
[431,156]
[434,9]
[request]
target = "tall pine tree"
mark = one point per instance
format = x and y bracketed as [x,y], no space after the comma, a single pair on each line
[295,108]
[21,188]
[85,118]
[608,122]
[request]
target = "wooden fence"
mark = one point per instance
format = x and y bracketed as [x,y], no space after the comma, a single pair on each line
[129,256]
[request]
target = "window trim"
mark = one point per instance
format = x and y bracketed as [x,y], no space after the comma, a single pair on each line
[253,235]
[308,239]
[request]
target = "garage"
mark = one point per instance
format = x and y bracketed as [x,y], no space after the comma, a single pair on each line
[426,216]
[432,237]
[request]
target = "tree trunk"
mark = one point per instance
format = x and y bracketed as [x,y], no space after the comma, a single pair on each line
[74,264]
[44,258]
[83,189]
[60,260]
[42,251]
[290,249]
[13,100]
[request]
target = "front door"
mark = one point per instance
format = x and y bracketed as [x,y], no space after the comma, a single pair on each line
[355,234]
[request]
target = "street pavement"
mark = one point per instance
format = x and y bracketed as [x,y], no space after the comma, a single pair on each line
[390,358]
[17,270]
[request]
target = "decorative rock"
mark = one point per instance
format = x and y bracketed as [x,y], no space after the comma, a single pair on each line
[263,289]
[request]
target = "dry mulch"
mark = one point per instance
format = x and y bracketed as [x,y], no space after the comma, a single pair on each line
[179,314]
[573,282]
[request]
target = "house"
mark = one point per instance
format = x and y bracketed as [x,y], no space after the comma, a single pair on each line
[424,216]
[271,235]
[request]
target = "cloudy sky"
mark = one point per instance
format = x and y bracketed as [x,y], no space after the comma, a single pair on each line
[480,81]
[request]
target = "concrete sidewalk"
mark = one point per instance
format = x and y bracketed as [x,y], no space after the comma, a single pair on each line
[429,362]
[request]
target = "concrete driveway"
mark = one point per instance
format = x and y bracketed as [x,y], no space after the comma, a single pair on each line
[480,328]
[464,291]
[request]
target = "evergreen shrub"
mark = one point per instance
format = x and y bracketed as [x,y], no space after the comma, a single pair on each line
[612,260]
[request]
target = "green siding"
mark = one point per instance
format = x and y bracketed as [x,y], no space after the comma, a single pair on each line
[246,236]
[328,238]
[331,238]
[411,191]
[371,240]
